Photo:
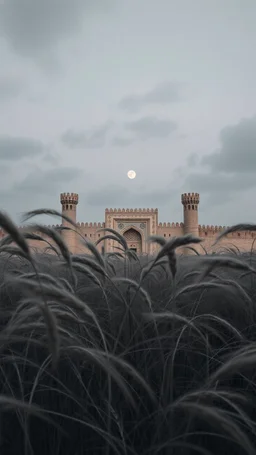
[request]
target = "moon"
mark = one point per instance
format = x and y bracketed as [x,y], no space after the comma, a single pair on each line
[131,174]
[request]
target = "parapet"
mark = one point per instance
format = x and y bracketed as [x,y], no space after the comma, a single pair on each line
[91,225]
[170,225]
[190,198]
[211,228]
[144,210]
[69,198]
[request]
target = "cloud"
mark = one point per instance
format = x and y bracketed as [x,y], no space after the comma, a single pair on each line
[192,160]
[18,148]
[163,94]
[119,141]
[36,26]
[219,183]
[230,169]
[238,149]
[51,158]
[150,127]
[218,189]
[40,188]
[47,181]
[143,129]
[109,195]
[10,88]
[90,139]
[119,196]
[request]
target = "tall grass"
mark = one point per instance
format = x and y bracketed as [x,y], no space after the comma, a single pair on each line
[121,354]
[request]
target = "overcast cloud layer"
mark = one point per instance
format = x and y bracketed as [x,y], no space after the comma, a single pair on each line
[92,88]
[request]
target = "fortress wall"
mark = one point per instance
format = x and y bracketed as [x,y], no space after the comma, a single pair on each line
[36,245]
[168,230]
[86,230]
[90,232]
[241,240]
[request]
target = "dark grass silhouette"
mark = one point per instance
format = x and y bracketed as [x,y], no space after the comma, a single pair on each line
[119,354]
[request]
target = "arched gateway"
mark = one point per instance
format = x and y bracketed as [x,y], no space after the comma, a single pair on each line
[134,240]
[136,225]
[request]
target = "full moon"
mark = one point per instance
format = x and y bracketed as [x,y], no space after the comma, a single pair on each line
[131,174]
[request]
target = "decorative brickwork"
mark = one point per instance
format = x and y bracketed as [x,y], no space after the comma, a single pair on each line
[134,240]
[132,236]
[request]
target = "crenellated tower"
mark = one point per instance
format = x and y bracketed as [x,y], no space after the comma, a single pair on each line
[190,202]
[69,202]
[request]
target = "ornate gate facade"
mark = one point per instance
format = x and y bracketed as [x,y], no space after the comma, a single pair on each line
[136,225]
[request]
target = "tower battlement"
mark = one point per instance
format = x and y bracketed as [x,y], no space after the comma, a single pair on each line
[190,198]
[69,198]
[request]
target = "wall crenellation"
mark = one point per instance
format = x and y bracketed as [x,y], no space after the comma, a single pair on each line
[203,227]
[90,225]
[170,225]
[144,210]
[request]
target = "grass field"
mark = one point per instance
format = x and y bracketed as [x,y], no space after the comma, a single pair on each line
[120,354]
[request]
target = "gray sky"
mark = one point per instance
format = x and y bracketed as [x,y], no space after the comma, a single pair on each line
[92,88]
